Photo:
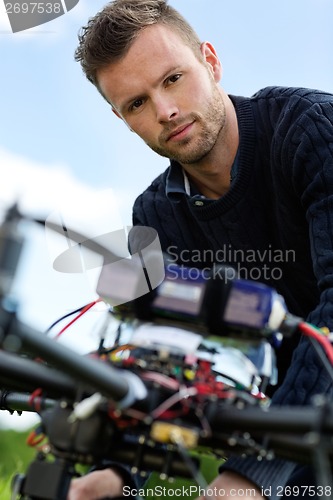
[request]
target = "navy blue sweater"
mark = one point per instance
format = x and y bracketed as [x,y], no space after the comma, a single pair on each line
[274,225]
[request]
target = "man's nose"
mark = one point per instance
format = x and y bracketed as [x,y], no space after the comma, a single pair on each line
[166,108]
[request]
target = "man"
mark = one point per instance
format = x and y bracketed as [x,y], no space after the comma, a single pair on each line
[250,179]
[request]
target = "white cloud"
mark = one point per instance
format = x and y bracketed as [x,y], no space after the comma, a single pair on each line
[18,422]
[52,193]
[43,294]
[41,189]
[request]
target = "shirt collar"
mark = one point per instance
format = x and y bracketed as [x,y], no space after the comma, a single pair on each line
[177,183]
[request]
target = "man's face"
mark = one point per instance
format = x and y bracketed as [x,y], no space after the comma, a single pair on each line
[166,95]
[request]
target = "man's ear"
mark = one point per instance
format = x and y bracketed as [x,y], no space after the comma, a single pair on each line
[119,116]
[116,112]
[213,62]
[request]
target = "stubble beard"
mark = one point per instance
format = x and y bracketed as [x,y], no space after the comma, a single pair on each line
[193,150]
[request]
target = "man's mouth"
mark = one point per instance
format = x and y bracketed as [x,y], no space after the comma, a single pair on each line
[180,132]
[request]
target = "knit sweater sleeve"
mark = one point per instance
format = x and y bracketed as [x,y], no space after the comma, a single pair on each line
[305,155]
[308,148]
[310,152]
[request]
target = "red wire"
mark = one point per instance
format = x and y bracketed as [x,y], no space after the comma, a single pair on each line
[84,310]
[34,438]
[33,401]
[311,331]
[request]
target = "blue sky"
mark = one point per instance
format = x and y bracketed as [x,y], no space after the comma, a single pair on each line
[52,116]
[60,143]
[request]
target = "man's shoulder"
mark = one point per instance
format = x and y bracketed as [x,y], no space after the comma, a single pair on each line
[286,107]
[292,94]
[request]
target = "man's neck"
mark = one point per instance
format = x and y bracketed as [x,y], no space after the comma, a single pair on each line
[212,176]
[211,186]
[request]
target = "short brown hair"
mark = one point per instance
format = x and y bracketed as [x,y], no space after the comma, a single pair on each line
[110,33]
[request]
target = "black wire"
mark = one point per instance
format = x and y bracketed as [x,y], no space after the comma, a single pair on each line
[64,317]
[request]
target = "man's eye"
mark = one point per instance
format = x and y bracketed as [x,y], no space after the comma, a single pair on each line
[136,104]
[174,78]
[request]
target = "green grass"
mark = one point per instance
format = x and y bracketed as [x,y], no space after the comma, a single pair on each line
[15,455]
